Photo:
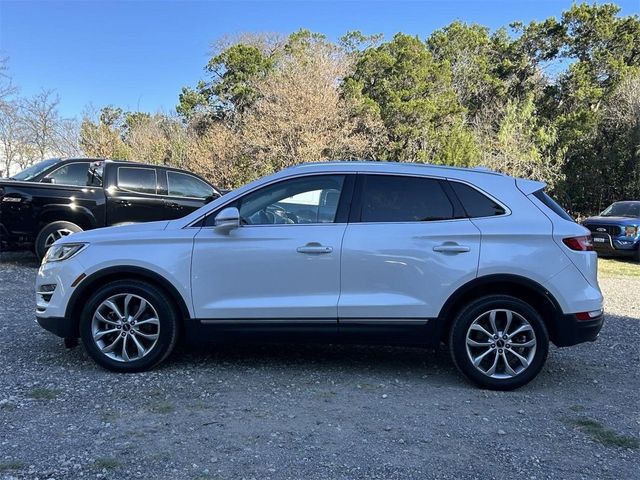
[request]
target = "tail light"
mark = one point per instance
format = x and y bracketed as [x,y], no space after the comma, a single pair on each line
[580,244]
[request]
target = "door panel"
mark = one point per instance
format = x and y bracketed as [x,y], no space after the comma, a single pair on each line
[405,270]
[257,272]
[134,197]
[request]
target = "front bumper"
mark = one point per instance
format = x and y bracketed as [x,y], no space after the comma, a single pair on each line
[571,331]
[606,245]
[58,326]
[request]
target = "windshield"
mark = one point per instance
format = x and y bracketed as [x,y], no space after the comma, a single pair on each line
[623,209]
[34,170]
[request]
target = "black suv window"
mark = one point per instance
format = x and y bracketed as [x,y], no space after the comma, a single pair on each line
[183,185]
[137,179]
[393,198]
[70,174]
[475,203]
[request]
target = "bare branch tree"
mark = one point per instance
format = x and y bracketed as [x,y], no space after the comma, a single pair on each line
[40,117]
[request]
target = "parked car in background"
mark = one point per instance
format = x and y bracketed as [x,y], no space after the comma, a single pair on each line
[352,252]
[57,197]
[616,231]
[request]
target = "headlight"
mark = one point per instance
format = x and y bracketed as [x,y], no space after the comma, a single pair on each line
[630,231]
[57,253]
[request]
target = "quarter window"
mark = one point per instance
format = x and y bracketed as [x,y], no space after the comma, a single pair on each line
[183,185]
[70,174]
[475,203]
[135,179]
[389,198]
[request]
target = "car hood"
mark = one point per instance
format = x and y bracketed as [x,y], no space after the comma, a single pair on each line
[119,231]
[612,220]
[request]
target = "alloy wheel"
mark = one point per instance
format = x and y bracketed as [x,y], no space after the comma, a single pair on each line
[125,327]
[501,343]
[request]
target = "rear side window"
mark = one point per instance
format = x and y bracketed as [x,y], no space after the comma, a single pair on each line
[475,203]
[136,179]
[552,205]
[183,185]
[390,198]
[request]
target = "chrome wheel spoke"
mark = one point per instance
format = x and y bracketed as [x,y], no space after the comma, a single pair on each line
[527,344]
[510,371]
[523,361]
[141,349]
[479,358]
[474,343]
[109,348]
[114,308]
[141,309]
[493,367]
[127,300]
[479,328]
[152,321]
[97,336]
[509,315]
[521,329]
[492,321]
[104,319]
[125,355]
[148,336]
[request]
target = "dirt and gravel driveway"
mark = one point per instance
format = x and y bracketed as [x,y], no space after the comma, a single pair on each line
[313,412]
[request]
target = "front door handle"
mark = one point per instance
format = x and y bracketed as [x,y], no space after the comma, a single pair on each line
[451,248]
[314,247]
[126,203]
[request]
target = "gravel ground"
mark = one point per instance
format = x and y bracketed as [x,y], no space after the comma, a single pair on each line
[313,412]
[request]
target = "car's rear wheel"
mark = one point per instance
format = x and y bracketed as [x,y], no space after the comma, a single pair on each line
[129,326]
[52,232]
[499,342]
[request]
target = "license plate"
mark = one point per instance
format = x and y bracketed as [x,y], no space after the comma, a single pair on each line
[599,240]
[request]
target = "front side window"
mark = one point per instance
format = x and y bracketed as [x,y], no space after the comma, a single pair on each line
[183,185]
[137,179]
[304,200]
[70,174]
[390,198]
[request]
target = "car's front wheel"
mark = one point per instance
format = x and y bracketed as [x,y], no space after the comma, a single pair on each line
[499,342]
[129,326]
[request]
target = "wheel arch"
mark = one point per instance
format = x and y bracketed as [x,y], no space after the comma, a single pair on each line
[502,284]
[102,277]
[79,215]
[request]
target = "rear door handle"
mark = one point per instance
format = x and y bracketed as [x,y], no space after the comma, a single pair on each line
[314,247]
[175,206]
[448,248]
[126,203]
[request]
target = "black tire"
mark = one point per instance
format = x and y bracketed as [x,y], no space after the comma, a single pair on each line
[479,309]
[636,255]
[166,338]
[51,230]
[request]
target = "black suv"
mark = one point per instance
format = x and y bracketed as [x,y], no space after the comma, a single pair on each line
[57,197]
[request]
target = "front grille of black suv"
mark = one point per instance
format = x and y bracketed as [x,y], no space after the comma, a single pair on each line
[612,230]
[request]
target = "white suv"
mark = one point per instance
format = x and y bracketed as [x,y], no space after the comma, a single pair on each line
[345,252]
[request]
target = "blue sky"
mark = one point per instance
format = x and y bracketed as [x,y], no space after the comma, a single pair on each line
[138,54]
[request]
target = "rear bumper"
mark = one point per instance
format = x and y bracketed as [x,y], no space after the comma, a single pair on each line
[58,326]
[571,331]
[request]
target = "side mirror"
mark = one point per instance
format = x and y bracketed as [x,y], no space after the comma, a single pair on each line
[228,219]
[211,198]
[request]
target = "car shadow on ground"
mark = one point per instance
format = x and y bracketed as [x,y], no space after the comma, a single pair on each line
[18,259]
